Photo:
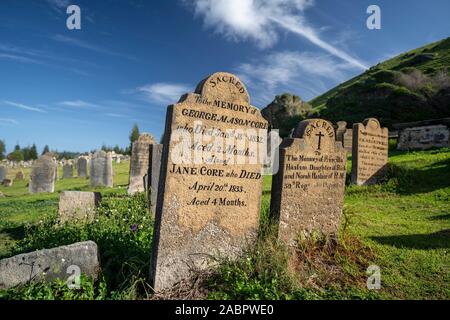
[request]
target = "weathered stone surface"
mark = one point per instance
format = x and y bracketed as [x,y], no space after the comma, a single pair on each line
[422,138]
[308,190]
[19,176]
[348,140]
[82,167]
[67,171]
[7,183]
[50,264]
[3,173]
[101,173]
[78,206]
[153,174]
[340,131]
[207,207]
[370,152]
[43,175]
[139,164]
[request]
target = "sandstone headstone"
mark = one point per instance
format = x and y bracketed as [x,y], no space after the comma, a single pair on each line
[308,190]
[422,138]
[67,171]
[340,131]
[82,165]
[208,205]
[50,264]
[370,152]
[153,174]
[3,172]
[78,206]
[43,175]
[101,173]
[348,140]
[19,176]
[139,164]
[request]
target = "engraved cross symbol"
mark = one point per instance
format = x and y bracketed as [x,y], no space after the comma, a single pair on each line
[320,135]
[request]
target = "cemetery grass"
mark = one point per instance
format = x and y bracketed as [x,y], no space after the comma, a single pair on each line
[402,226]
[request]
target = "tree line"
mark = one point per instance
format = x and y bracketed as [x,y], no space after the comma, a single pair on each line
[31,153]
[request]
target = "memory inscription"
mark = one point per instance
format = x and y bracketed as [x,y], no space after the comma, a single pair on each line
[308,190]
[370,152]
[211,183]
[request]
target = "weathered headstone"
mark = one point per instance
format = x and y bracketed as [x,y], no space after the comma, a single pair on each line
[348,140]
[7,183]
[82,165]
[139,163]
[153,175]
[308,190]
[43,175]
[370,152]
[101,173]
[19,176]
[50,264]
[422,138]
[3,172]
[340,131]
[67,171]
[208,205]
[78,206]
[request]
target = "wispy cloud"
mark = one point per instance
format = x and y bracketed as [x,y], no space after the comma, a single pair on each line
[79,104]
[7,121]
[303,74]
[262,21]
[23,106]
[164,93]
[116,115]
[89,46]
[59,5]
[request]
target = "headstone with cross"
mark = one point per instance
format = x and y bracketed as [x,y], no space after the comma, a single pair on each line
[308,190]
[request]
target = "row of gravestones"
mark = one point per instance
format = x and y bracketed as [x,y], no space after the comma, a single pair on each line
[44,172]
[211,208]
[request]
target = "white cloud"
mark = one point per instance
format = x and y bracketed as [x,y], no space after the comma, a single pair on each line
[23,106]
[164,93]
[303,74]
[89,46]
[7,121]
[80,104]
[262,20]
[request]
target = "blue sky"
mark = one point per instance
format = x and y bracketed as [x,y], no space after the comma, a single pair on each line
[78,89]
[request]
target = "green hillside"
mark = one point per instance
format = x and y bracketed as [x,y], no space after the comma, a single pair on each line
[410,87]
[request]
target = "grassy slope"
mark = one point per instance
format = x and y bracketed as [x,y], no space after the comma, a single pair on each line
[406,221]
[441,49]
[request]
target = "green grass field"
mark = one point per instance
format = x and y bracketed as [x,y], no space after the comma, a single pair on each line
[402,226]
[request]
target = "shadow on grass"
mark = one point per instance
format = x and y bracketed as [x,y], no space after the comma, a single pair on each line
[436,240]
[15,233]
[413,181]
[440,217]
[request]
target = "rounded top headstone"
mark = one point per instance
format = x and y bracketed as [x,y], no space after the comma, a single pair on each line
[224,86]
[146,138]
[372,123]
[318,134]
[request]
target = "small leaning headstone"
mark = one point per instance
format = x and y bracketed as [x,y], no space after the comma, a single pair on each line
[139,163]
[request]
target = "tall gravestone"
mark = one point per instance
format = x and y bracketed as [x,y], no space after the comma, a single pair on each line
[101,173]
[3,172]
[348,140]
[308,190]
[208,206]
[153,175]
[82,167]
[67,171]
[140,153]
[43,175]
[370,152]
